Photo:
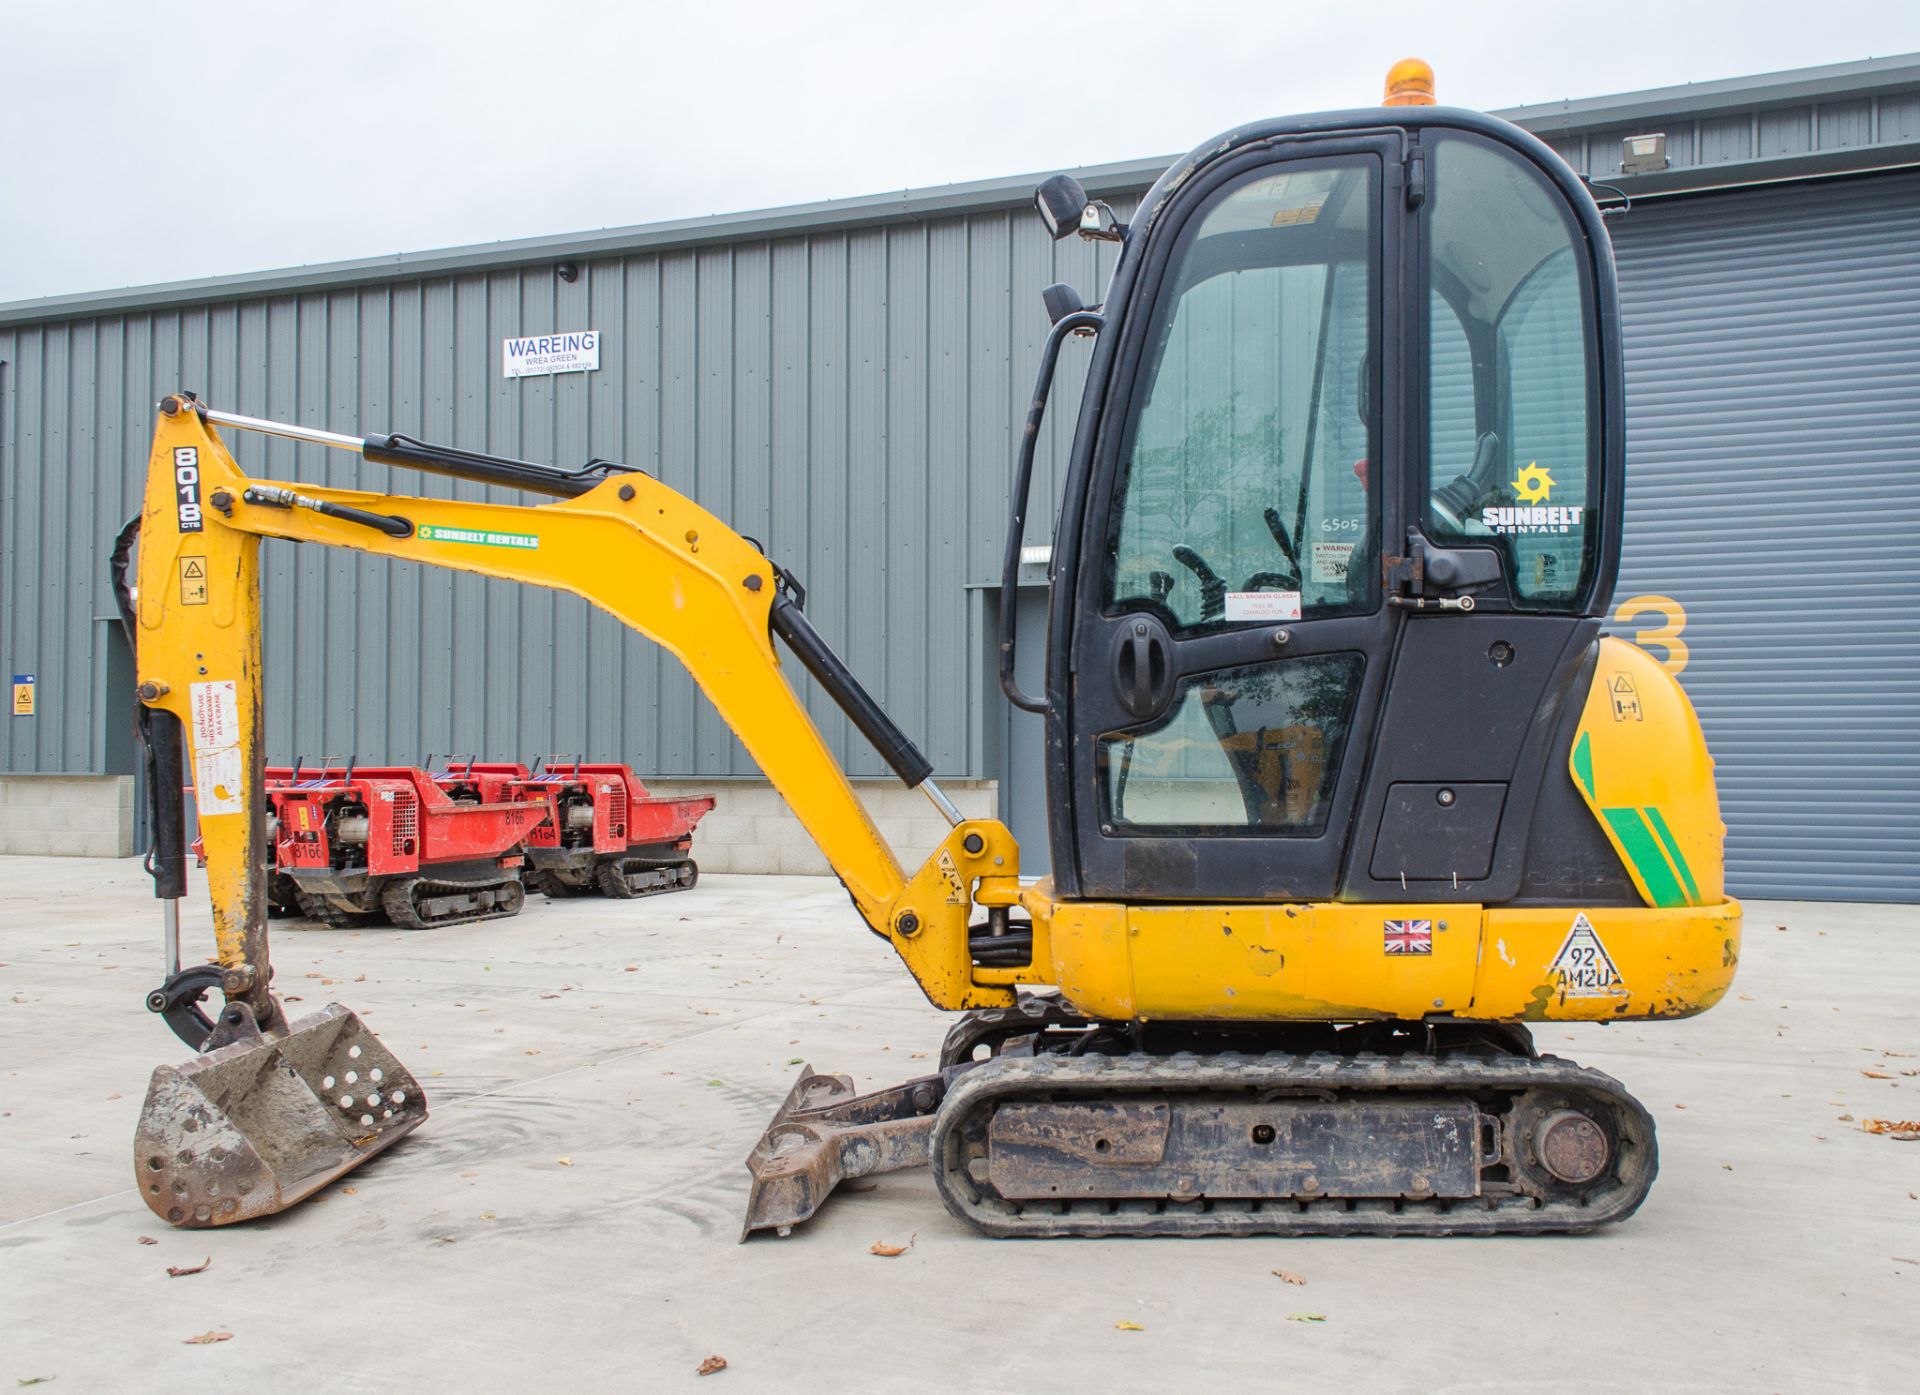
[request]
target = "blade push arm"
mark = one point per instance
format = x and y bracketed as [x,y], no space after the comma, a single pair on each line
[629,544]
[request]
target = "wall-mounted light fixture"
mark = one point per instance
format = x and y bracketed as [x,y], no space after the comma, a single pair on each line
[1644,154]
[570,272]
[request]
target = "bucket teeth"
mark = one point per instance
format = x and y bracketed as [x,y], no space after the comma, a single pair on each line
[825,1134]
[249,1129]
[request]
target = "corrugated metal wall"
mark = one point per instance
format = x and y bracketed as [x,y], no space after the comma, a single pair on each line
[1773,445]
[849,397]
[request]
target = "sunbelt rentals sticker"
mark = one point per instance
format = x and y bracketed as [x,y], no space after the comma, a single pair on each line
[478,537]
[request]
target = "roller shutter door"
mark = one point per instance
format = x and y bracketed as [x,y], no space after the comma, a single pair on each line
[1773,447]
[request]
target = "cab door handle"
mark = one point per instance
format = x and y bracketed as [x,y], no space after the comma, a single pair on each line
[1143,667]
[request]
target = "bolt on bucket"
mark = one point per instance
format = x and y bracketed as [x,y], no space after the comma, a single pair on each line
[251,1128]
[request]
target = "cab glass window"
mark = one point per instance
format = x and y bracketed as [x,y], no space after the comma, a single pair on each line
[1242,749]
[1511,451]
[1244,473]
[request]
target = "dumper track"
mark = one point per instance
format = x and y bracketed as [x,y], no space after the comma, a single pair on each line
[1470,1143]
[420,903]
[327,910]
[627,877]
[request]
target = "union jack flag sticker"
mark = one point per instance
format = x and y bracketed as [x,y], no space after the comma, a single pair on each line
[1409,937]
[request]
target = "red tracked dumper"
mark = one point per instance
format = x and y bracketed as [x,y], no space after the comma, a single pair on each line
[607,833]
[355,844]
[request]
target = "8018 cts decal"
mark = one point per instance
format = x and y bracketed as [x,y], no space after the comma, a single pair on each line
[186,487]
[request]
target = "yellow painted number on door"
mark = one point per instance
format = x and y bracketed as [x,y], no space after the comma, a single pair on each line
[1666,635]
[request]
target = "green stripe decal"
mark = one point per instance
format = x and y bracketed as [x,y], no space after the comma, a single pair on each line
[1673,851]
[1583,762]
[1637,841]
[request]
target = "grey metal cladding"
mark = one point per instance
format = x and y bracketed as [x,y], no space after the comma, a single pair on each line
[1773,489]
[848,397]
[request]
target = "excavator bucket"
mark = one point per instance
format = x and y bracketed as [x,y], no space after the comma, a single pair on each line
[252,1127]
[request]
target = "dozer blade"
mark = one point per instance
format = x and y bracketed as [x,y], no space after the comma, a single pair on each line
[825,1134]
[251,1128]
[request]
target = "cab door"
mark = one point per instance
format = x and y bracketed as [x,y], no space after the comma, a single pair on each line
[1231,641]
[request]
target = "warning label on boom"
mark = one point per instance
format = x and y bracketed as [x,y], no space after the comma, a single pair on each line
[1583,968]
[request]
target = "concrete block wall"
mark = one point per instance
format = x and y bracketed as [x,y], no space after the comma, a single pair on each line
[751,829]
[70,815]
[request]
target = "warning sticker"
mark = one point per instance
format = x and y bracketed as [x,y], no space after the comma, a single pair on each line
[1626,702]
[23,694]
[217,769]
[1583,968]
[193,581]
[216,714]
[1330,562]
[1263,605]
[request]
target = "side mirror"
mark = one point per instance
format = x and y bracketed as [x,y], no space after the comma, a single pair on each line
[1061,301]
[1060,202]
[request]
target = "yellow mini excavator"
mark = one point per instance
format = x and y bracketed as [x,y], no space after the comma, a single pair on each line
[1346,788]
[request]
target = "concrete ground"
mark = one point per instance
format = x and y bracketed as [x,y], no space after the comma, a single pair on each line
[566,1218]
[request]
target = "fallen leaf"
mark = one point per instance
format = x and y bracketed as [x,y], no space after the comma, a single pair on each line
[796,1060]
[1896,1053]
[175,1271]
[886,1251]
[349,1191]
[1726,1167]
[444,1240]
[918,1056]
[710,1365]
[1306,1317]
[469,1174]
[486,1215]
[564,1162]
[33,1380]
[207,1339]
[1906,1130]
[1286,1278]
[533,1051]
[1876,1075]
[148,1240]
[1124,1326]
[634,969]
[291,998]
[115,1094]
[359,978]
[1679,1106]
[549,995]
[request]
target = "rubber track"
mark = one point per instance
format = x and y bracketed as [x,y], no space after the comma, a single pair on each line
[963,1116]
[611,876]
[397,899]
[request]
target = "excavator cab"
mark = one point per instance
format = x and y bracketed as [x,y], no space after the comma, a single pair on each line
[1346,787]
[1337,538]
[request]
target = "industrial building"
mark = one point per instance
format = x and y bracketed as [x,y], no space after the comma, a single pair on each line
[844,382]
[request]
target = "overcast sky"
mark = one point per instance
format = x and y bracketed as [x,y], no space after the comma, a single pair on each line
[153,142]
